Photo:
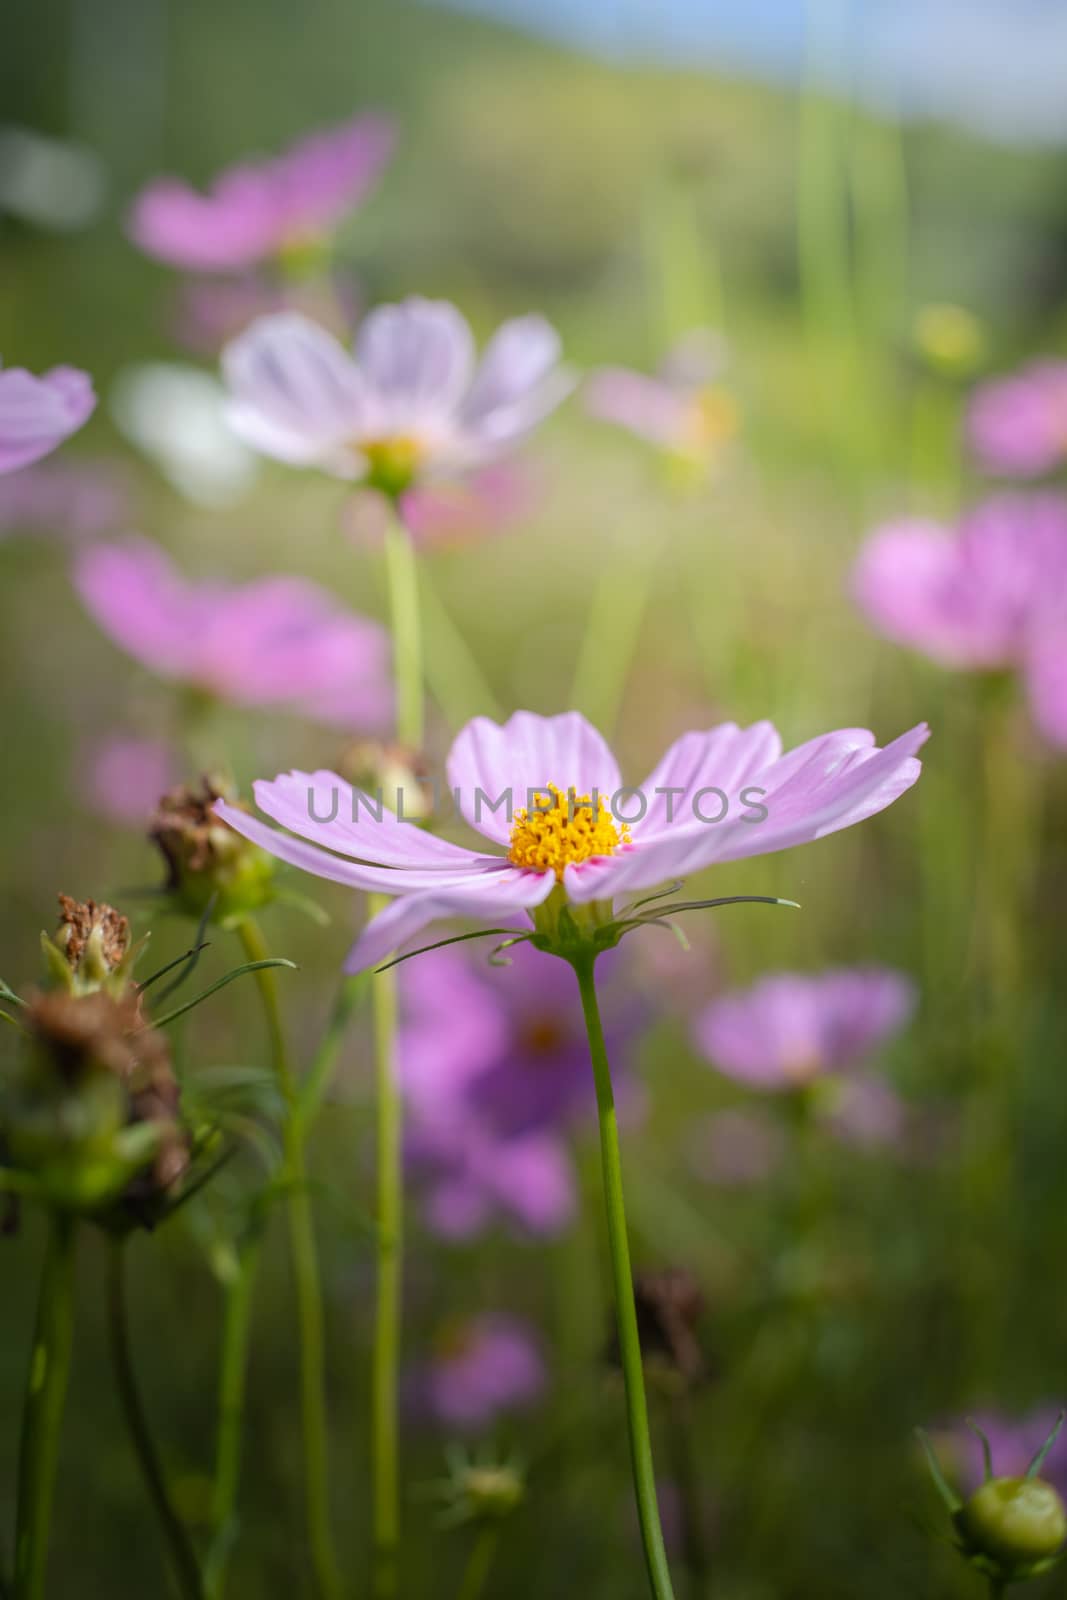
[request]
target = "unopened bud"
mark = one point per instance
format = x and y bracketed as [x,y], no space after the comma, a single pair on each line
[1016,1523]
[209,865]
[394,773]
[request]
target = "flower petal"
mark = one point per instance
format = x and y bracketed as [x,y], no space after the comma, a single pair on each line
[38,413]
[493,766]
[297,799]
[826,784]
[726,758]
[519,356]
[480,898]
[405,882]
[296,393]
[135,595]
[416,358]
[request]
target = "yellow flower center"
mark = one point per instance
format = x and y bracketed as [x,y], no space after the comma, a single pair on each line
[392,462]
[563,827]
[713,420]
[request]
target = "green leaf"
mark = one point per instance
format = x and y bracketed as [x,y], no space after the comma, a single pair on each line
[7,993]
[459,938]
[1039,1460]
[944,1488]
[987,1454]
[220,983]
[161,972]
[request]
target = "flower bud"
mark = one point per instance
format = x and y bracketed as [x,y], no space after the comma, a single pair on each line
[91,948]
[479,1488]
[92,1112]
[208,864]
[1014,1523]
[396,773]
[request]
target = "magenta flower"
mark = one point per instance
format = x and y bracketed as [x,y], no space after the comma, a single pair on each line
[127,775]
[481,1369]
[1018,425]
[69,497]
[272,642]
[494,1066]
[791,1028]
[973,597]
[546,792]
[684,409]
[408,402]
[1046,679]
[37,414]
[1014,1441]
[266,208]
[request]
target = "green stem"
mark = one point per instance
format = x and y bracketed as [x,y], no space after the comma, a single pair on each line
[46,1390]
[388,1310]
[457,681]
[182,1556]
[307,1285]
[479,1562]
[685,1473]
[625,1309]
[402,577]
[233,1378]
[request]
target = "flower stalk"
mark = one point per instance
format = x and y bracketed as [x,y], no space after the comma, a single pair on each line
[622,1274]
[387,1322]
[183,1558]
[307,1282]
[46,1390]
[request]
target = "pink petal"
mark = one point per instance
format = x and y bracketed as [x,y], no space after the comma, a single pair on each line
[294,799]
[391,929]
[134,593]
[295,391]
[726,757]
[38,413]
[417,359]
[489,763]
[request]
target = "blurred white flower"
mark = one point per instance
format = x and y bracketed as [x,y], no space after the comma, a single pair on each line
[51,183]
[176,415]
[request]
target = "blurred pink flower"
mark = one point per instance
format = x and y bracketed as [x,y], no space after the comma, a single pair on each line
[127,775]
[271,642]
[830,782]
[1046,679]
[735,1148]
[211,311]
[265,208]
[441,515]
[71,498]
[791,1028]
[408,403]
[1018,425]
[973,596]
[494,1065]
[868,1111]
[479,1370]
[1014,1441]
[684,409]
[38,413]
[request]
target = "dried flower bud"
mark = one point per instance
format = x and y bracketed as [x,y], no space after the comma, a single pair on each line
[396,773]
[91,948]
[1017,1524]
[670,1305]
[93,1112]
[208,864]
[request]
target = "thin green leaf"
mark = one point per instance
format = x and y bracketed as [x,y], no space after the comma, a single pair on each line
[5,1016]
[660,894]
[220,983]
[944,1488]
[987,1453]
[161,972]
[199,943]
[727,900]
[459,938]
[316,1083]
[1039,1460]
[497,959]
[7,993]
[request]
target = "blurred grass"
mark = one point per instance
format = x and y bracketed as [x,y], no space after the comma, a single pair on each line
[624,203]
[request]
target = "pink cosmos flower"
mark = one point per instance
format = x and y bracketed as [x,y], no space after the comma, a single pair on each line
[684,409]
[266,208]
[970,597]
[211,311]
[494,1066]
[272,642]
[791,1028]
[1018,425]
[127,775]
[481,1369]
[69,498]
[538,789]
[407,402]
[37,414]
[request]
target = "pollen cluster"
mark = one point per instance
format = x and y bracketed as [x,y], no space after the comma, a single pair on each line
[563,827]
